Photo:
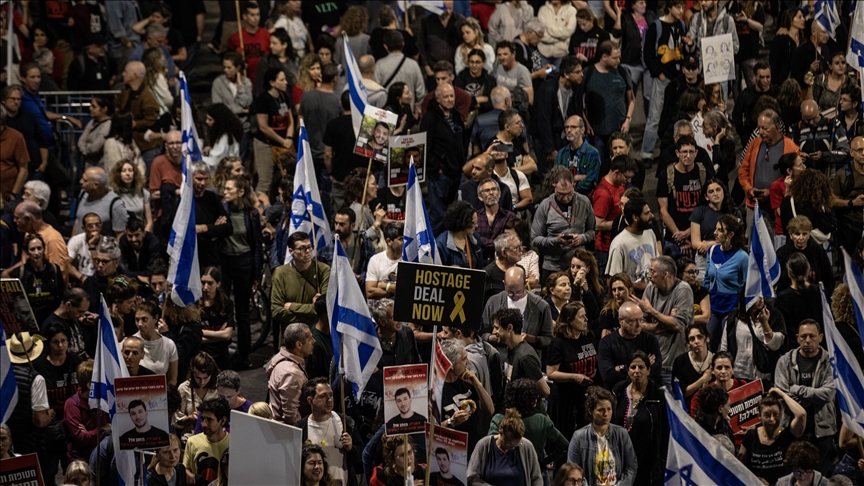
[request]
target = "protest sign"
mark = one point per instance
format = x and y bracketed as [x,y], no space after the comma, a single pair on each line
[439,371]
[402,149]
[718,59]
[406,394]
[21,471]
[265,452]
[374,137]
[142,412]
[744,405]
[449,461]
[15,310]
[441,296]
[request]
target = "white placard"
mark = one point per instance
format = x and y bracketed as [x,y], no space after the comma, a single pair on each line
[264,452]
[718,58]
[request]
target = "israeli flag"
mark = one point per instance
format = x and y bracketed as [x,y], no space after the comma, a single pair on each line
[356,88]
[437,7]
[184,273]
[763,268]
[418,243]
[855,280]
[307,212]
[696,458]
[855,56]
[8,386]
[848,378]
[679,394]
[107,367]
[827,16]
[351,326]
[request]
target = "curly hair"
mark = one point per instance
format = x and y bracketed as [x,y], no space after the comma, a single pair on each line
[801,455]
[389,444]
[611,305]
[734,225]
[354,21]
[223,172]
[459,216]
[203,363]
[595,395]
[308,449]
[593,277]
[116,182]
[790,93]
[812,188]
[176,316]
[522,396]
[561,327]
[354,183]
[708,401]
[304,79]
[551,281]
[224,123]
[841,304]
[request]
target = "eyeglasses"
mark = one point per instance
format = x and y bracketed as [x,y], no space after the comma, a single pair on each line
[99,261]
[691,272]
[486,191]
[574,481]
[303,249]
[515,248]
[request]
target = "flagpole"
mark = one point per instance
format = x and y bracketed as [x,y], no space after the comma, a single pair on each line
[362,205]
[98,446]
[342,377]
[240,30]
[405,457]
[431,394]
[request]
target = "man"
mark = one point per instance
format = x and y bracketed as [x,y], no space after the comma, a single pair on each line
[445,153]
[396,66]
[509,73]
[28,220]
[679,191]
[31,102]
[633,249]
[82,248]
[558,100]
[14,160]
[339,157]
[158,281]
[72,313]
[297,285]
[166,177]
[821,140]
[156,37]
[30,129]
[522,359]
[444,73]
[39,192]
[381,270]
[812,56]
[508,252]
[709,22]
[139,249]
[203,453]
[439,36]
[324,427]
[286,373]
[358,247]
[689,77]
[376,95]
[318,363]
[143,434]
[100,199]
[228,387]
[483,360]
[136,98]
[563,222]
[211,219]
[533,312]
[511,144]
[278,57]
[848,189]
[528,54]
[90,70]
[805,375]
[609,101]
[580,157]
[615,349]
[133,352]
[461,384]
[668,308]
[444,477]
[319,107]
[406,420]
[606,202]
[757,172]
[256,41]
[482,167]
[486,124]
[669,155]
[107,264]
[742,114]
[121,18]
[491,219]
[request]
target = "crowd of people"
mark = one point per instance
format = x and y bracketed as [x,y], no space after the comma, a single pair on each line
[535,174]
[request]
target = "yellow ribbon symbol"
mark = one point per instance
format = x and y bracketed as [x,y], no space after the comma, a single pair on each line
[459,300]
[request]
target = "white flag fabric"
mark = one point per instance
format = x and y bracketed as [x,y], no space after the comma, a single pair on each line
[356,89]
[855,56]
[855,280]
[418,243]
[351,326]
[827,16]
[8,385]
[763,268]
[184,273]
[696,458]
[307,211]
[848,378]
[437,7]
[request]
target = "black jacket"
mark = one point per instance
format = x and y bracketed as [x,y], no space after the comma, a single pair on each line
[547,114]
[650,444]
[464,80]
[253,237]
[446,149]
[208,208]
[135,265]
[355,455]
[631,41]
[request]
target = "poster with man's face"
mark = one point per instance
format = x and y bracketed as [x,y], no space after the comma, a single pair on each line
[406,399]
[142,412]
[373,140]
[15,311]
[449,457]
[403,148]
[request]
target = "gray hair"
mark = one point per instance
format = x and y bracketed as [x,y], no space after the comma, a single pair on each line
[680,125]
[228,379]
[500,97]
[772,115]
[839,480]
[133,339]
[41,191]
[99,176]
[502,241]
[154,29]
[108,246]
[536,25]
[293,334]
[715,119]
[378,309]
[488,180]
[665,263]
[31,210]
[451,347]
[198,167]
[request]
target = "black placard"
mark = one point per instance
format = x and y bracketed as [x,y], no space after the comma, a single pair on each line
[437,295]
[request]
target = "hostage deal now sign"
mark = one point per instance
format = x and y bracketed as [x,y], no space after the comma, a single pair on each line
[441,296]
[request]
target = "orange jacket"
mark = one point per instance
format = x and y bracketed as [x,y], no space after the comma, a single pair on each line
[747,171]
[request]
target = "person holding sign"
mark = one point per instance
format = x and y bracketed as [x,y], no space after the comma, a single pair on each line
[460,386]
[142,430]
[765,445]
[398,460]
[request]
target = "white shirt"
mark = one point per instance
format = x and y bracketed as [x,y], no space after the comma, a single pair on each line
[380,267]
[38,395]
[158,354]
[520,304]
[514,185]
[79,251]
[330,432]
[744,366]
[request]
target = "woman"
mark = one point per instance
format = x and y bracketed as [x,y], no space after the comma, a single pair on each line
[476,80]
[586,38]
[506,455]
[620,290]
[91,143]
[586,282]
[354,23]
[227,168]
[261,409]
[802,299]
[803,459]
[459,245]
[472,39]
[325,46]
[716,201]
[121,295]
[232,88]
[783,46]
[182,326]
[693,369]
[725,272]
[569,474]
[789,100]
[316,471]
[79,474]
[199,386]
[790,166]
[358,197]
[556,293]
[601,448]
[715,129]
[701,298]
[224,134]
[755,338]
[44,52]
[120,145]
[217,317]
[844,315]
[6,449]
[275,126]
[156,80]
[42,280]
[290,19]
[530,261]
[810,195]
[723,378]
[308,77]
[641,411]
[749,23]
[398,457]
[160,353]
[400,100]
[800,241]
[711,411]
[242,256]
[634,23]
[166,468]
[128,182]
[764,446]
[825,89]
[713,98]
[572,365]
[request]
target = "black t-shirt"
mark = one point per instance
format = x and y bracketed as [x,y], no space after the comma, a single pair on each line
[414,423]
[514,158]
[277,111]
[494,281]
[320,13]
[574,355]
[75,335]
[523,362]
[340,136]
[376,43]
[393,204]
[806,369]
[174,41]
[766,461]
[682,369]
[586,43]
[61,382]
[452,396]
[688,192]
[435,479]
[213,320]
[142,439]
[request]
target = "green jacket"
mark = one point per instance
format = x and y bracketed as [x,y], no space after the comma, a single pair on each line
[289,285]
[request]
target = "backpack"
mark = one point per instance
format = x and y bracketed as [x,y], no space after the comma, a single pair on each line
[659,26]
[670,177]
[106,228]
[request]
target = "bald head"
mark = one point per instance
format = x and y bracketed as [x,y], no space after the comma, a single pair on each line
[28,217]
[133,75]
[810,112]
[514,277]
[445,96]
[366,64]
[137,68]
[97,175]
[173,147]
[501,98]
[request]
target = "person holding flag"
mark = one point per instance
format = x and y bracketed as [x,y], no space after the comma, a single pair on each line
[418,244]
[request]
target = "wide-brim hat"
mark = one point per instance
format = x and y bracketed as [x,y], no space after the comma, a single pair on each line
[23,348]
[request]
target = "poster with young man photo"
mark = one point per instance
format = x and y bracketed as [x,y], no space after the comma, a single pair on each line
[373,140]
[406,399]
[403,149]
[142,412]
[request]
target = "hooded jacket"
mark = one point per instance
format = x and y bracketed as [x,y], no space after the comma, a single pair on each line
[820,396]
[549,222]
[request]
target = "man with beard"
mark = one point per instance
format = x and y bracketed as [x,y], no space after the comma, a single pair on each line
[632,250]
[143,435]
[204,451]
[579,156]
[443,477]
[344,223]
[140,248]
[211,219]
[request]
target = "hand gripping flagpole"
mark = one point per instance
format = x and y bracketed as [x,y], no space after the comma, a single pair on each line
[362,206]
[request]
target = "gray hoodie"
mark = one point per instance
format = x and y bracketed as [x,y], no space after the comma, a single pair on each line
[549,222]
[820,396]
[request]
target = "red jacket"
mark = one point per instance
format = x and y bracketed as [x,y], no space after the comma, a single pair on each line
[75,413]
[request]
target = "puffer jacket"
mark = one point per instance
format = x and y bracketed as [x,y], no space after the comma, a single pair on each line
[559,28]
